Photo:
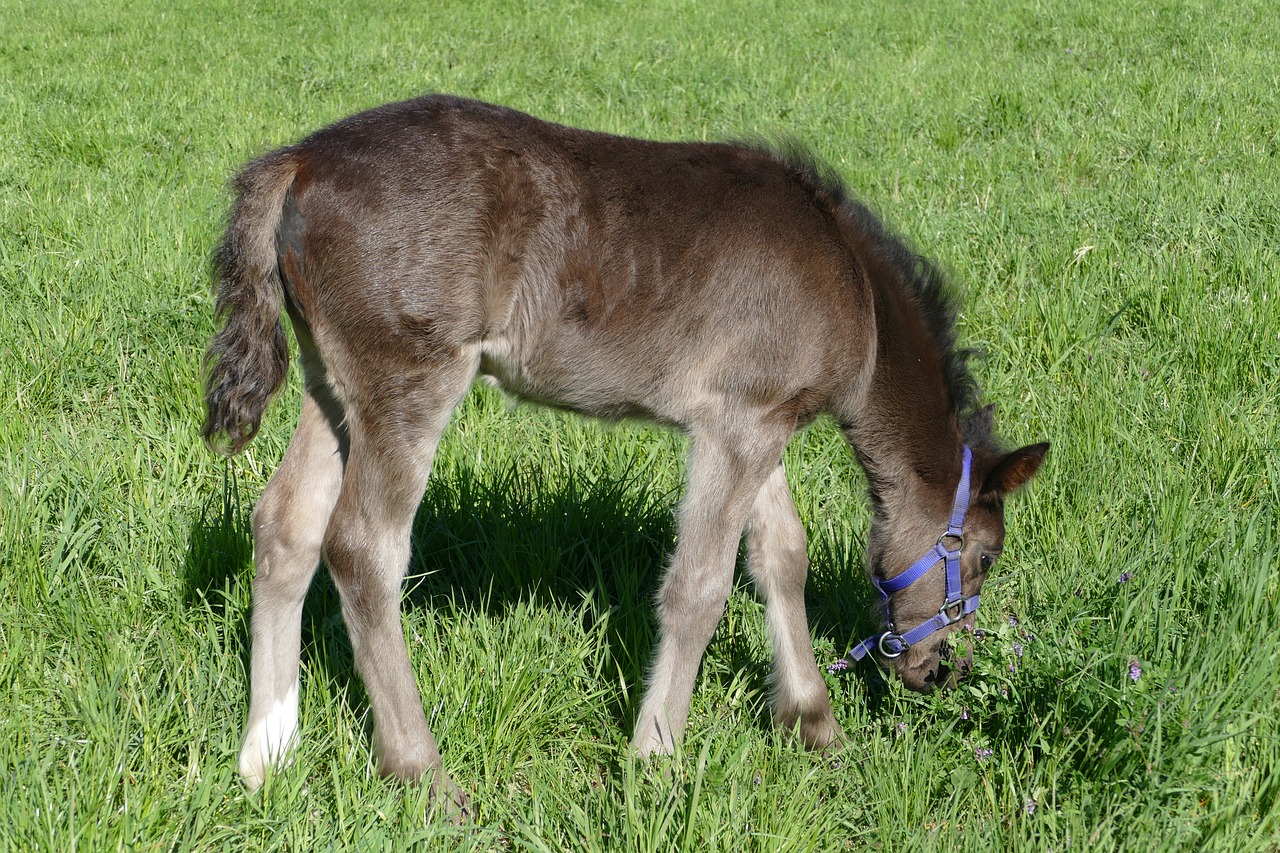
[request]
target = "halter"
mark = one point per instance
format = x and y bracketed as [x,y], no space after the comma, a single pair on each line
[954,607]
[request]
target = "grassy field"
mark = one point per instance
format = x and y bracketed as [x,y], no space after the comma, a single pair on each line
[1102,180]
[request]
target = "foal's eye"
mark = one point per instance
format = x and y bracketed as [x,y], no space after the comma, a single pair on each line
[988,560]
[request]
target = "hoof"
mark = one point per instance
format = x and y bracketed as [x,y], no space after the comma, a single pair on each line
[450,802]
[652,740]
[821,735]
[447,799]
[269,741]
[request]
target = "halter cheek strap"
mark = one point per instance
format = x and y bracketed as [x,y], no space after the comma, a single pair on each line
[955,605]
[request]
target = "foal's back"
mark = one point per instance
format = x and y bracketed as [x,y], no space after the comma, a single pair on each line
[612,276]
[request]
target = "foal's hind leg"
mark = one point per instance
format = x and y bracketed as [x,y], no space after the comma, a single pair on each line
[288,527]
[393,442]
[778,562]
[725,472]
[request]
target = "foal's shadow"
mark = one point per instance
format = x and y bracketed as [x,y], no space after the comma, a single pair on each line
[487,541]
[491,542]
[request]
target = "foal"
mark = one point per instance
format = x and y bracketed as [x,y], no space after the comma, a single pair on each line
[733,293]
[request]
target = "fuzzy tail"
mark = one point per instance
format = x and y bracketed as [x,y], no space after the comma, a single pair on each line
[247,361]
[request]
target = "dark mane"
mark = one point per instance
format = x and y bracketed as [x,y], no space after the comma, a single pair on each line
[929,283]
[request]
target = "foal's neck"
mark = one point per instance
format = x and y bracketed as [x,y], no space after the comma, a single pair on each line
[906,432]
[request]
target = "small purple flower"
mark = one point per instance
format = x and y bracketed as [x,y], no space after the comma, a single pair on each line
[1135,670]
[1013,621]
[902,727]
[839,666]
[1124,577]
[1029,806]
[964,713]
[983,753]
[1017,649]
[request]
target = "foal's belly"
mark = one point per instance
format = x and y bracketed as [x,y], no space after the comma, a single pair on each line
[590,381]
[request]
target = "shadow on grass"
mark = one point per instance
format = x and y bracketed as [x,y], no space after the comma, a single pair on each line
[487,541]
[219,549]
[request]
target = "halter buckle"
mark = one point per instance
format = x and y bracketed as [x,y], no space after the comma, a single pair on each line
[888,654]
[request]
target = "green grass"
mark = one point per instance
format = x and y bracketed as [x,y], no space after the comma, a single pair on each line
[1100,177]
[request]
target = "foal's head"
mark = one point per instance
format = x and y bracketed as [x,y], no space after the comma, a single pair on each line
[933,531]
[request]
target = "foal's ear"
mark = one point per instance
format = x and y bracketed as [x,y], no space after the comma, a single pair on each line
[1015,469]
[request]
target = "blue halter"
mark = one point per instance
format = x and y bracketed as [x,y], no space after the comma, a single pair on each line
[955,606]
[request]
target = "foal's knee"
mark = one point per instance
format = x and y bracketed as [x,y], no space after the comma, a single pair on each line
[695,605]
[342,546]
[778,567]
[777,551]
[366,560]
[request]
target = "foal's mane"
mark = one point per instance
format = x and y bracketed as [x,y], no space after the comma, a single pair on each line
[928,283]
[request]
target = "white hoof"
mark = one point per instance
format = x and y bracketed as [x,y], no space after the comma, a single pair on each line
[653,738]
[269,741]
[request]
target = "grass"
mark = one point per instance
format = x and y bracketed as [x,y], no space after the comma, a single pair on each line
[1101,179]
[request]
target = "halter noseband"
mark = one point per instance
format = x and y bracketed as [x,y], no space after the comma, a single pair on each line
[954,607]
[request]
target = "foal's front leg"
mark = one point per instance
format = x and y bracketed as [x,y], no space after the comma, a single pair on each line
[724,476]
[778,561]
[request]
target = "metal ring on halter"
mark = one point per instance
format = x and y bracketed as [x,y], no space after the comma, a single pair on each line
[945,611]
[890,655]
[959,537]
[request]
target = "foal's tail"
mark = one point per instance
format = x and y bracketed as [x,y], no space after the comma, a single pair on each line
[247,361]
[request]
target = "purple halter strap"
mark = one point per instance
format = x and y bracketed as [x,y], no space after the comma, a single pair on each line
[955,606]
